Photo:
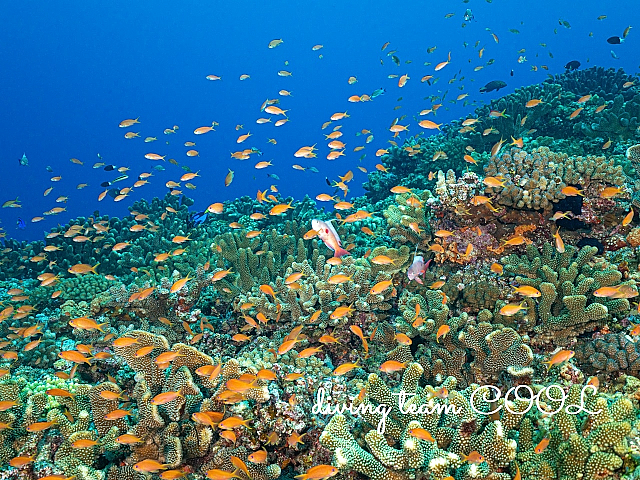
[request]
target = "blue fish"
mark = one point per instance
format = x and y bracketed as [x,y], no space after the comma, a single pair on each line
[196,219]
[377,93]
[20,224]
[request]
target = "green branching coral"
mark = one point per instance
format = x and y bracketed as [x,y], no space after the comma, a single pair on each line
[315,292]
[259,260]
[567,281]
[84,288]
[467,349]
[591,445]
[619,121]
[392,452]
[407,218]
[588,445]
[600,81]
[517,117]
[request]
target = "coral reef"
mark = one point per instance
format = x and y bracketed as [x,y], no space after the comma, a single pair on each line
[161,346]
[566,281]
[409,433]
[535,180]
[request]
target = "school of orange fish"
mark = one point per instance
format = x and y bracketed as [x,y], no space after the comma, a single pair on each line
[84,354]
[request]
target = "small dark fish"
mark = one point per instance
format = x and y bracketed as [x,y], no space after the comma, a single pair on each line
[113,192]
[511,73]
[493,85]
[108,184]
[468,15]
[273,175]
[109,168]
[615,40]
[572,65]
[24,161]
[20,224]
[326,179]
[396,60]
[613,54]
[49,169]
[377,93]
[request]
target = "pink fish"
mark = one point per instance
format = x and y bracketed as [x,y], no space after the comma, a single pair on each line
[329,236]
[417,268]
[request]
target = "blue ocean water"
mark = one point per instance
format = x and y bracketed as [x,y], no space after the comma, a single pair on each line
[72,71]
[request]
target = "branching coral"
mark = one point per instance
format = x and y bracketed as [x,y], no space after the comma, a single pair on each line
[567,307]
[315,292]
[407,218]
[610,354]
[504,440]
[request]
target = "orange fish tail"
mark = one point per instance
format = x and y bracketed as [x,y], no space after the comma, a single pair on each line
[340,252]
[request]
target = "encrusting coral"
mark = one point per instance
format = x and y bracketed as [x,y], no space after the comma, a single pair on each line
[535,180]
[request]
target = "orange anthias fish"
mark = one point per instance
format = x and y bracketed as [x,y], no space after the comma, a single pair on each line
[422,434]
[307,352]
[319,472]
[473,457]
[391,366]
[150,466]
[21,461]
[527,291]
[179,284]
[559,241]
[217,474]
[165,397]
[442,332]
[610,192]
[541,447]
[345,368]
[572,191]
[127,439]
[560,357]
[512,308]
[380,287]
[74,356]
[233,422]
